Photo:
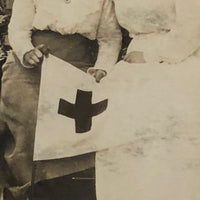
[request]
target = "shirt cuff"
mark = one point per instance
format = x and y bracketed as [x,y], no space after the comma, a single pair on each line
[144,44]
[156,49]
[20,55]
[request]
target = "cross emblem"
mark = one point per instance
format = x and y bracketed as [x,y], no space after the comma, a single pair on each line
[82,111]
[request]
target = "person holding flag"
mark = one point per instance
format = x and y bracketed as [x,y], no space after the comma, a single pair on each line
[83,33]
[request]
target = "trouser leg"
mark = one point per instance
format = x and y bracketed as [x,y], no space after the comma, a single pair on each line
[20,89]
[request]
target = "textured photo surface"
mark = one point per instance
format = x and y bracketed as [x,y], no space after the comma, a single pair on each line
[99,99]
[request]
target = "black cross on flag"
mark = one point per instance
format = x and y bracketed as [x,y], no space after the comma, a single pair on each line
[83,110]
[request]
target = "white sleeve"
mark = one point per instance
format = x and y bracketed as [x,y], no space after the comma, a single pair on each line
[179,43]
[109,37]
[20,27]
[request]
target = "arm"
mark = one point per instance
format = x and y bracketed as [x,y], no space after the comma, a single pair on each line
[19,30]
[109,37]
[179,43]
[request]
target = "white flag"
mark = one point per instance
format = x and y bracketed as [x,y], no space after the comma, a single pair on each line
[76,115]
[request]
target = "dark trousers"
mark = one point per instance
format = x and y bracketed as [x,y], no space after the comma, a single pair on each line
[19,100]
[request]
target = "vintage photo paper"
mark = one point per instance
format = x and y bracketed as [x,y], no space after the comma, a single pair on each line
[100,100]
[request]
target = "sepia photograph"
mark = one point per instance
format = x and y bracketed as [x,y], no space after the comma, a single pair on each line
[99,99]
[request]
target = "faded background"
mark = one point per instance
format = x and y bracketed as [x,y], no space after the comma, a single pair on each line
[5,12]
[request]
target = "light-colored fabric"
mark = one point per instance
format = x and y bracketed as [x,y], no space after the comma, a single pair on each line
[166,31]
[93,19]
[158,163]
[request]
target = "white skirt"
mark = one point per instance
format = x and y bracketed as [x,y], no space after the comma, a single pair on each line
[162,162]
